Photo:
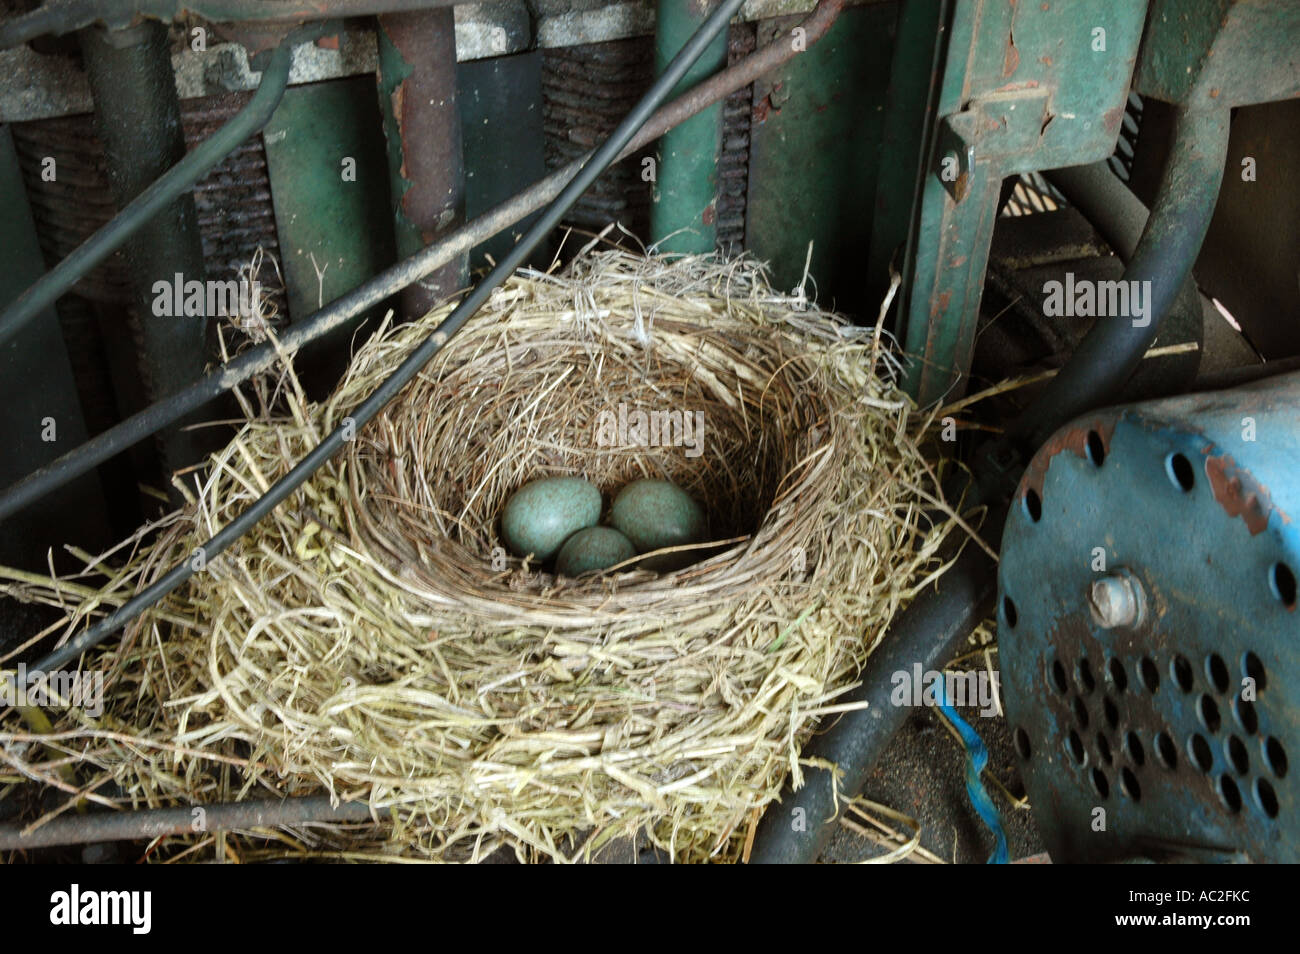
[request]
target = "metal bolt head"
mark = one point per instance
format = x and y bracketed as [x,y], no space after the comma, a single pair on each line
[1115,600]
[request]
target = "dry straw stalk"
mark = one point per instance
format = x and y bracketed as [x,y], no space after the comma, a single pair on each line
[361,642]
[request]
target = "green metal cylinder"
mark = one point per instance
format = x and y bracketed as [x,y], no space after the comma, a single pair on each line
[684,215]
[138,117]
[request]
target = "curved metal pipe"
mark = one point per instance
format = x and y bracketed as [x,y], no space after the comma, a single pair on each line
[927,633]
[1170,242]
[1119,218]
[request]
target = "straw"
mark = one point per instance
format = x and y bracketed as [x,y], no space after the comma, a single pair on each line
[374,640]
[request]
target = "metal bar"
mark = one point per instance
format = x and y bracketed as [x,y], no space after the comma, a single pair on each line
[177,180]
[684,216]
[426,166]
[921,38]
[38,387]
[159,822]
[1163,260]
[142,424]
[138,117]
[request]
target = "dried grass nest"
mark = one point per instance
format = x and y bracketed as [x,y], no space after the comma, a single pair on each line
[361,642]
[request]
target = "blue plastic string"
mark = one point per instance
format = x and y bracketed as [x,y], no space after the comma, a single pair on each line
[977,758]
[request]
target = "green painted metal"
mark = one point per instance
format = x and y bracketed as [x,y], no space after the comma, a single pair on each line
[683,217]
[1208,53]
[41,416]
[815,152]
[330,213]
[1025,87]
[505,144]
[919,47]
[138,118]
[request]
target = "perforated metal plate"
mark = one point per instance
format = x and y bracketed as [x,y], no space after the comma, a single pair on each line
[1182,724]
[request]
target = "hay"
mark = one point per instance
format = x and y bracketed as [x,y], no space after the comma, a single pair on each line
[371,640]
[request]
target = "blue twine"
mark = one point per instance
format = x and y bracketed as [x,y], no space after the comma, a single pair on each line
[977,758]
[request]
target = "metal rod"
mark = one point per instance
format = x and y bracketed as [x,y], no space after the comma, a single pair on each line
[140,425]
[153,823]
[410,367]
[426,165]
[177,180]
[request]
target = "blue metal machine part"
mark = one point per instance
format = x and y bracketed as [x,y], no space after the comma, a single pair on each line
[1147,628]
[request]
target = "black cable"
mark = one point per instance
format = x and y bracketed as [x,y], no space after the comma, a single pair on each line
[418,358]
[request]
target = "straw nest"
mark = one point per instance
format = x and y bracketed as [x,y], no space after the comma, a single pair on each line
[372,639]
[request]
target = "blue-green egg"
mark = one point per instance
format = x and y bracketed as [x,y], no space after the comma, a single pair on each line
[596,548]
[542,514]
[654,514]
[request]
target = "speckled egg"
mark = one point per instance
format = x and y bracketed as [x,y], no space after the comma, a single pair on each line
[656,513]
[542,514]
[595,548]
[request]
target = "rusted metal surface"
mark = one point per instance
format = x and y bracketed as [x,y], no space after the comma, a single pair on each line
[1175,719]
[1022,90]
[1073,439]
[1240,494]
[733,163]
[138,118]
[72,205]
[586,90]
[233,201]
[59,18]
[417,89]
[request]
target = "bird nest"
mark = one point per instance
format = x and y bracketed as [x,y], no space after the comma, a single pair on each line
[375,640]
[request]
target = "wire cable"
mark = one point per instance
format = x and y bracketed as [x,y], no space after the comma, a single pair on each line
[382,395]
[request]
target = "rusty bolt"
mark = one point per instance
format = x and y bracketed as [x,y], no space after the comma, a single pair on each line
[1115,600]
